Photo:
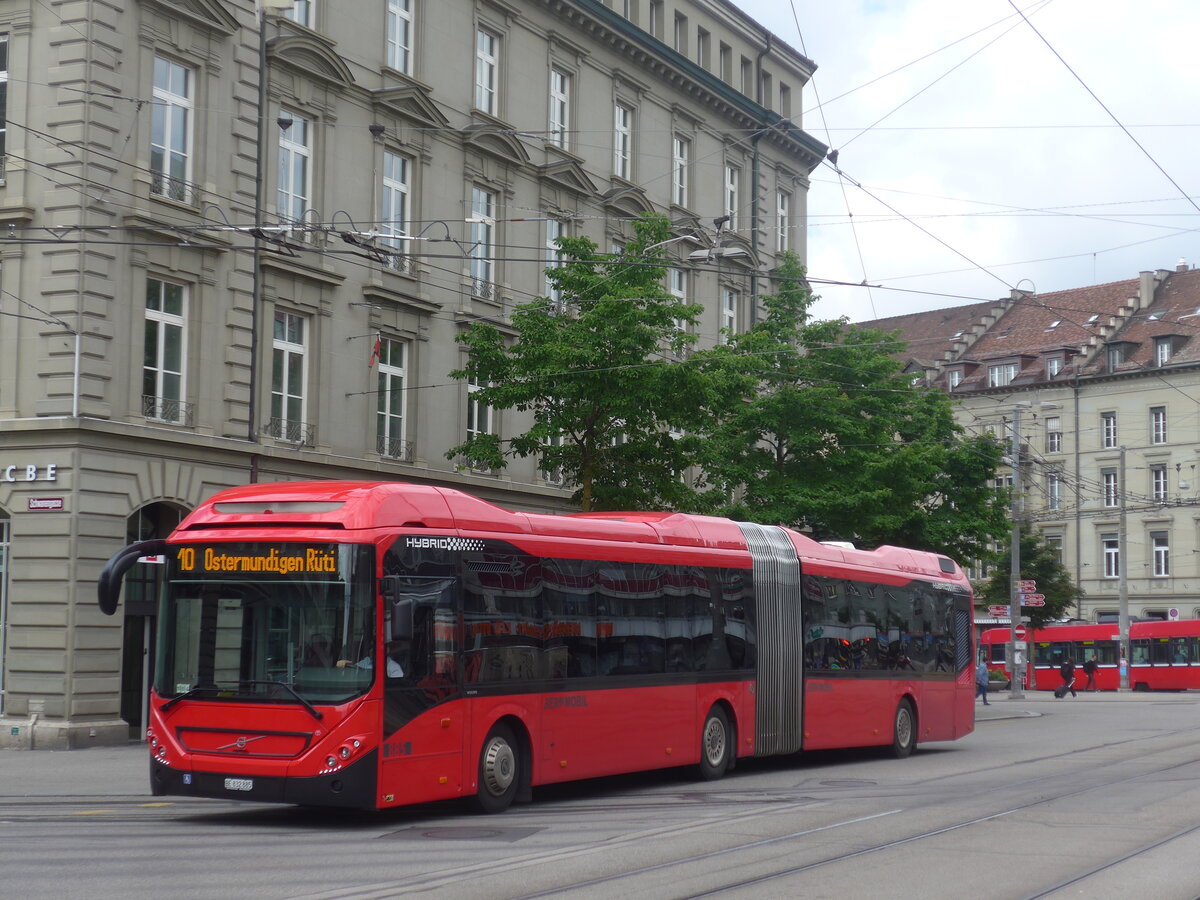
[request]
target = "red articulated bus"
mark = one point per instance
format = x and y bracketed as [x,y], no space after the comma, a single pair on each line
[1165,655]
[370,645]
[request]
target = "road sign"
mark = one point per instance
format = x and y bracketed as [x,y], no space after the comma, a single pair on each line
[1033,600]
[1022,633]
[997,611]
[1029,585]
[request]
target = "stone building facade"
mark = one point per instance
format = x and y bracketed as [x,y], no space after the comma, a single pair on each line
[1103,383]
[239,244]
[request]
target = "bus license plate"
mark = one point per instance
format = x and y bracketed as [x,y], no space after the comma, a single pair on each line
[239,784]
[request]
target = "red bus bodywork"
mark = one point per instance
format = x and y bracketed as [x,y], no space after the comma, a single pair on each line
[435,738]
[1165,655]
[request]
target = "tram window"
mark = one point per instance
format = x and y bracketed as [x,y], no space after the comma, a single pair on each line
[679,589]
[1141,653]
[1179,650]
[999,652]
[1160,651]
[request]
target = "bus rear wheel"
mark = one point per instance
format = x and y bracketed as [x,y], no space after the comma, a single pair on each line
[904,734]
[716,744]
[499,770]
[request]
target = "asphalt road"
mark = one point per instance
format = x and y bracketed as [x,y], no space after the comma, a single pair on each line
[1095,797]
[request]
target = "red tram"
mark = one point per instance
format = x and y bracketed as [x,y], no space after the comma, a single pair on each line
[1165,655]
[372,645]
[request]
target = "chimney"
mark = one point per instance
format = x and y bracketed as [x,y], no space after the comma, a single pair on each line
[1182,265]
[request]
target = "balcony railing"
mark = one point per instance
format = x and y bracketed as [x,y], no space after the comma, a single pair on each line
[301,434]
[164,409]
[394,448]
[484,290]
[162,185]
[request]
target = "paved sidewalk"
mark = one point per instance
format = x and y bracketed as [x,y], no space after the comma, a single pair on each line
[95,772]
[1035,703]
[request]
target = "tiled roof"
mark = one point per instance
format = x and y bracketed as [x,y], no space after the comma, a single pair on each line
[1074,326]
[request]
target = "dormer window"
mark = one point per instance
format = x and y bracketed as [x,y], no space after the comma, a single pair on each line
[1054,365]
[1001,375]
[1162,350]
[954,378]
[1116,356]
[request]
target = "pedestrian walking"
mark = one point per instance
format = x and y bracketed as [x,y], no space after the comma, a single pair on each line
[1089,669]
[1067,671]
[981,681]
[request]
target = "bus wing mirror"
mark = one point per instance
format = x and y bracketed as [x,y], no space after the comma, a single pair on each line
[108,588]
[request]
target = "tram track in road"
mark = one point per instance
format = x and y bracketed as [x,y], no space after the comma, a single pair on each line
[748,884]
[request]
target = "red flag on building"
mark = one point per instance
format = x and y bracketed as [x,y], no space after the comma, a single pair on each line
[375,351]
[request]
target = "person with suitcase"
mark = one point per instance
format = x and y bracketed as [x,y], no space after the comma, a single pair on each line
[1067,671]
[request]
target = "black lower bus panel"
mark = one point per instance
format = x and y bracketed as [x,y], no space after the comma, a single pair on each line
[350,788]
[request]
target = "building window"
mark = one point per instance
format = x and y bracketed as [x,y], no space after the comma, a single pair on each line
[391,400]
[1160,545]
[747,77]
[552,474]
[171,131]
[3,108]
[1111,548]
[1108,430]
[394,214]
[954,378]
[1003,482]
[765,87]
[732,175]
[783,222]
[703,40]
[622,141]
[725,63]
[1159,485]
[295,156]
[656,18]
[729,314]
[302,12]
[399,35]
[479,414]
[680,38]
[164,353]
[1054,434]
[1053,490]
[680,151]
[1055,543]
[560,108]
[1111,487]
[487,64]
[554,230]
[1158,424]
[1116,356]
[1053,366]
[483,237]
[999,376]
[288,375]
[785,100]
[677,285]
[1162,351]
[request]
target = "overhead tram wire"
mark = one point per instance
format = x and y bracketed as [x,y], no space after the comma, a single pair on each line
[1102,105]
[862,263]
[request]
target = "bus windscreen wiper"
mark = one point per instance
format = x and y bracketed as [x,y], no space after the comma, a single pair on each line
[316,713]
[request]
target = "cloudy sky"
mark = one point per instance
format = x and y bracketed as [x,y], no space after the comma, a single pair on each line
[975,161]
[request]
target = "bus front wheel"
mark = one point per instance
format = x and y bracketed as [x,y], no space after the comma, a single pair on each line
[904,734]
[716,744]
[499,770]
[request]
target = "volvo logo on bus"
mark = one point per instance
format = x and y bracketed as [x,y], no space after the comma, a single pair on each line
[443,543]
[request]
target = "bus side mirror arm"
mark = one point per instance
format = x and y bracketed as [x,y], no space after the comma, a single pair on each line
[108,588]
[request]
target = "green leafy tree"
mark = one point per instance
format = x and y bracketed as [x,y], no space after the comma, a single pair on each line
[823,431]
[610,408]
[1039,562]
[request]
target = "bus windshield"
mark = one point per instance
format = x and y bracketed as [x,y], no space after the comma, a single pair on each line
[273,622]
